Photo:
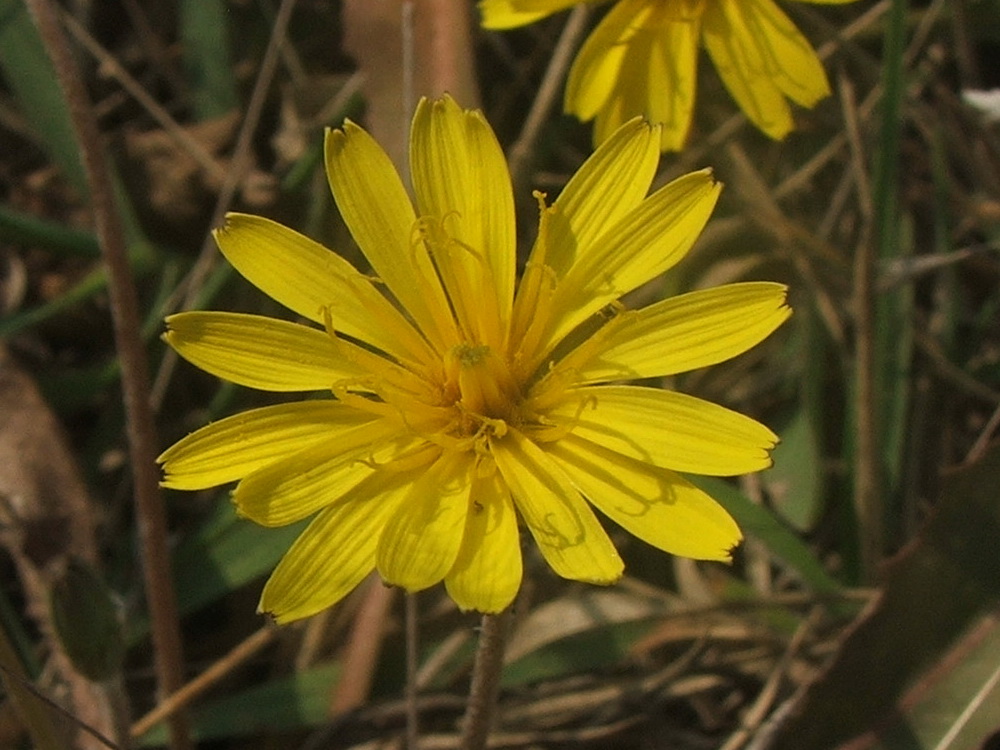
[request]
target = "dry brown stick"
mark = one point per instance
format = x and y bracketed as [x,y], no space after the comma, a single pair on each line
[363,647]
[978,449]
[175,702]
[769,216]
[754,716]
[852,29]
[155,110]
[412,646]
[965,53]
[237,168]
[950,373]
[155,48]
[549,88]
[150,513]
[444,51]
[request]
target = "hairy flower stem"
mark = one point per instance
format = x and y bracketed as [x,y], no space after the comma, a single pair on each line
[485,680]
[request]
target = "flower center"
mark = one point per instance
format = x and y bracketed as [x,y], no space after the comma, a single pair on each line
[480,387]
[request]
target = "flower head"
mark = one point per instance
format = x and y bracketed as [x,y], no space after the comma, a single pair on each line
[642,60]
[461,404]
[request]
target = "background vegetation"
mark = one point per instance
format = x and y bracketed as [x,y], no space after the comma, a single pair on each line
[861,611]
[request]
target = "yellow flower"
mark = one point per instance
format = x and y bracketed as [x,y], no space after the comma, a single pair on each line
[465,403]
[642,59]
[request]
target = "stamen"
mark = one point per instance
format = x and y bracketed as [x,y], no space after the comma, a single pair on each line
[546,430]
[470,286]
[533,304]
[591,347]
[412,459]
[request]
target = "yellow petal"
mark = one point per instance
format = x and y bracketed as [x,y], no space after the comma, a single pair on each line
[641,60]
[567,532]
[421,540]
[335,552]
[309,279]
[762,58]
[653,504]
[234,447]
[487,572]
[508,14]
[680,333]
[597,69]
[623,167]
[461,181]
[259,352]
[294,487]
[796,68]
[646,242]
[611,116]
[378,212]
[667,429]
[670,62]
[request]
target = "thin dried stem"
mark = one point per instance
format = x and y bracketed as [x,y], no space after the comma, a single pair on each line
[412,646]
[548,90]
[237,171]
[363,647]
[206,680]
[485,680]
[171,127]
[150,513]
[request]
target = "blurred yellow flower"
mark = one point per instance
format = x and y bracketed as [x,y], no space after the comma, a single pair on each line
[642,60]
[463,402]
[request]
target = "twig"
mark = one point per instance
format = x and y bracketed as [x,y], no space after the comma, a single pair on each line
[174,702]
[363,646]
[485,680]
[965,55]
[150,514]
[241,155]
[170,126]
[412,645]
[978,449]
[541,107]
[155,48]
[757,712]
[18,682]
[948,371]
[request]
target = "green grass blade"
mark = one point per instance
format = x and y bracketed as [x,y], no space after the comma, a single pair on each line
[760,523]
[893,342]
[207,57]
[22,229]
[30,75]
[287,704]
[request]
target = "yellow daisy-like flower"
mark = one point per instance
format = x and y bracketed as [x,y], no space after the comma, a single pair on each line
[464,402]
[642,60]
